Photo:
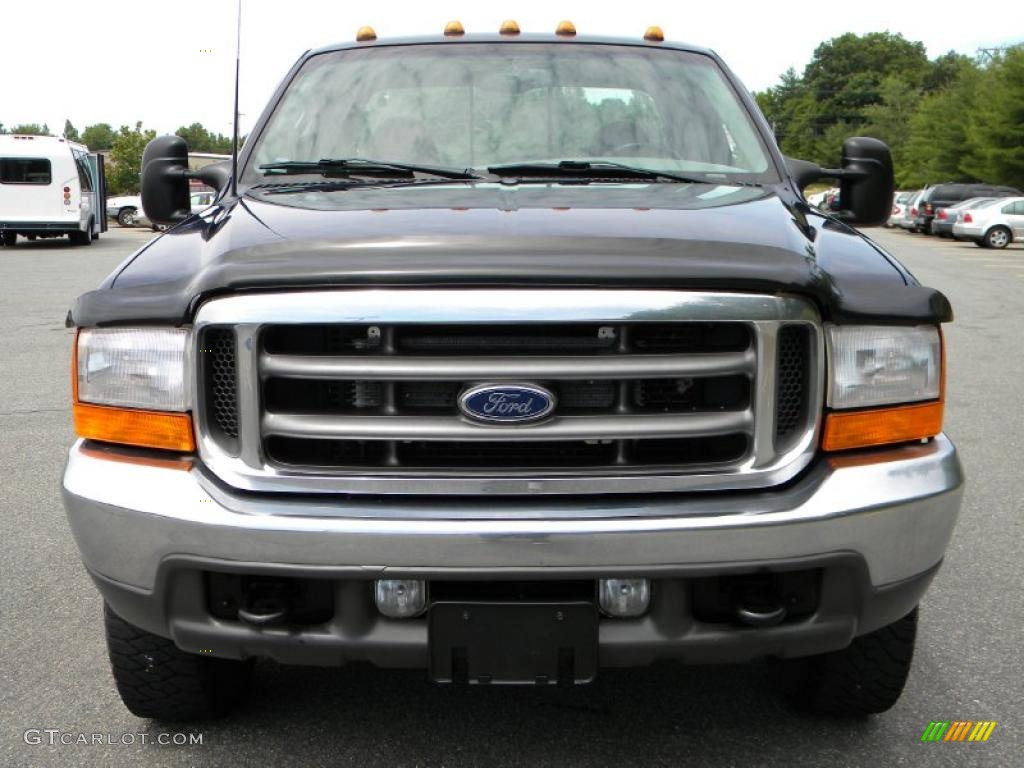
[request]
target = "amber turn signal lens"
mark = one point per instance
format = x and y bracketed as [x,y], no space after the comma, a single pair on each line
[882,426]
[128,426]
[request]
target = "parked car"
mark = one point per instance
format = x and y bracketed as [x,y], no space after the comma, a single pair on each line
[946,195]
[945,218]
[995,225]
[124,209]
[899,202]
[512,445]
[128,212]
[817,200]
[909,219]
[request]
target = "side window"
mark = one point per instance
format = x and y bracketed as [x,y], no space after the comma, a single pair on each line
[1016,208]
[84,174]
[25,170]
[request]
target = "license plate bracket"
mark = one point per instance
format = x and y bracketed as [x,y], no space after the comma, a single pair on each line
[513,643]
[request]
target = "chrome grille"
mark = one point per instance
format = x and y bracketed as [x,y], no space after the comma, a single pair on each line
[356,391]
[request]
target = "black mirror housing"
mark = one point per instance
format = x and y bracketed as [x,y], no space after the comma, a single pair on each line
[866,180]
[867,184]
[165,190]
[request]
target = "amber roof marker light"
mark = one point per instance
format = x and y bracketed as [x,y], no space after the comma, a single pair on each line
[508,27]
[454,29]
[365,35]
[654,35]
[565,29]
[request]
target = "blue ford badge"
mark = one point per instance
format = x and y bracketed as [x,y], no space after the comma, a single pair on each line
[507,403]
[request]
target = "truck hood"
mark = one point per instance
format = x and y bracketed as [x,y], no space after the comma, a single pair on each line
[612,235]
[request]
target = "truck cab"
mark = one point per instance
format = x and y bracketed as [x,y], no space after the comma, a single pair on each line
[511,358]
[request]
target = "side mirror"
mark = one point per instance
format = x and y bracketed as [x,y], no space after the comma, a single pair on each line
[867,184]
[866,181]
[165,193]
[165,175]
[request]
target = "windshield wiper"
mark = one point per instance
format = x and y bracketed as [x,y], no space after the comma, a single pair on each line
[365,167]
[600,168]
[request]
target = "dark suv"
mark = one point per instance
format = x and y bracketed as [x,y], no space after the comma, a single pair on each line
[947,195]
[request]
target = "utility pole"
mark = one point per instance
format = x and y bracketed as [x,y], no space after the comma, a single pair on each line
[986,55]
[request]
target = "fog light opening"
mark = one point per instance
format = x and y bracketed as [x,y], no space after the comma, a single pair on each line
[624,598]
[400,598]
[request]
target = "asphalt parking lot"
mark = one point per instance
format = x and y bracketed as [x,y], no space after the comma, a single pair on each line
[968,664]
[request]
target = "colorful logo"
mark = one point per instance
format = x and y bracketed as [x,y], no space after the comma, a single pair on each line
[958,730]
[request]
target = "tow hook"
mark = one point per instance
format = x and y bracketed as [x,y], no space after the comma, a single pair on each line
[264,605]
[760,610]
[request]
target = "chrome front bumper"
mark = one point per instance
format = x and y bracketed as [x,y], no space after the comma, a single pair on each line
[895,508]
[875,523]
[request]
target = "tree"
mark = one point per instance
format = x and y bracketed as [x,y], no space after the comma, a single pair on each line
[199,139]
[844,77]
[126,159]
[995,129]
[32,129]
[890,118]
[98,136]
[937,139]
[70,132]
[945,70]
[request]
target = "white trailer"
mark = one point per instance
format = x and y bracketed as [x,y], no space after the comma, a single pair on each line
[50,187]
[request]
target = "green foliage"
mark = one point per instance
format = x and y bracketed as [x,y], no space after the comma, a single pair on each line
[70,132]
[889,119]
[126,159]
[31,129]
[201,140]
[845,76]
[937,139]
[995,129]
[98,136]
[949,119]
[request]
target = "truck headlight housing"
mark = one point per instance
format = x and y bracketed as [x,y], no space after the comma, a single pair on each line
[874,365]
[892,376]
[132,386]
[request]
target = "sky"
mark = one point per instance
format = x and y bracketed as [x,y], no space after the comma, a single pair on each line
[172,62]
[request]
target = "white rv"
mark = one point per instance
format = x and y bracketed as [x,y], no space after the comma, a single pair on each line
[50,187]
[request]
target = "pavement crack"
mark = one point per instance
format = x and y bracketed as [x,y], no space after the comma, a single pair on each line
[34,410]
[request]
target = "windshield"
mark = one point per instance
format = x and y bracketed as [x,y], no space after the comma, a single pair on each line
[476,105]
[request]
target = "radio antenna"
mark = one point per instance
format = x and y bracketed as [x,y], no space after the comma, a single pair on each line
[234,141]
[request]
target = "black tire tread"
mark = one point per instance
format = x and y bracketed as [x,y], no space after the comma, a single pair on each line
[158,680]
[865,678]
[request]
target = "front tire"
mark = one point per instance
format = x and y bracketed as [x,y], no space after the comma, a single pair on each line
[126,217]
[863,679]
[998,237]
[156,679]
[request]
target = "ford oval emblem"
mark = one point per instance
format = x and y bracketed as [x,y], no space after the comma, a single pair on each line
[507,403]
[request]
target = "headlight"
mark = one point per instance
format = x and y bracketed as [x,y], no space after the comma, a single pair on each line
[872,366]
[135,368]
[880,365]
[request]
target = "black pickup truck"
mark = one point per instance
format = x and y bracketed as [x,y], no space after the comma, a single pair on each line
[511,358]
